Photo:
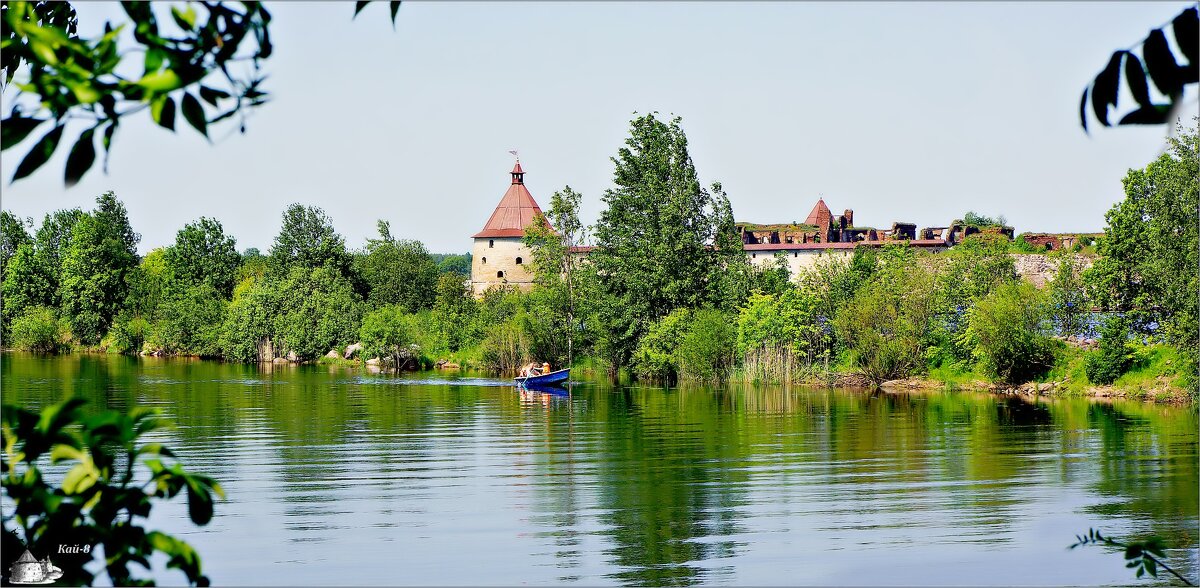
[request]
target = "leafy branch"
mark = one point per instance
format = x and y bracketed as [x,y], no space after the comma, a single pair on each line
[1157,64]
[189,61]
[98,503]
[1142,555]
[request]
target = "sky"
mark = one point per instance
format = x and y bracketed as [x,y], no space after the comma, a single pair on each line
[913,112]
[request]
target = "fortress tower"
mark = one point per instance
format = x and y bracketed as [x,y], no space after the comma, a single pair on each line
[499,256]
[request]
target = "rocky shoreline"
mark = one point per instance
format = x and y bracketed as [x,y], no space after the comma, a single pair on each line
[1164,392]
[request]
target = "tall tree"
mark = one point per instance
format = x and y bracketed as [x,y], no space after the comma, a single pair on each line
[25,286]
[398,271]
[51,240]
[12,236]
[653,240]
[1148,263]
[554,259]
[95,263]
[204,254]
[307,239]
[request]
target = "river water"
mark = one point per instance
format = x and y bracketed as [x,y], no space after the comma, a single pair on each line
[335,476]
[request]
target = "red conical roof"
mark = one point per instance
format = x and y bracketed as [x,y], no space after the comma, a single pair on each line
[820,215]
[516,210]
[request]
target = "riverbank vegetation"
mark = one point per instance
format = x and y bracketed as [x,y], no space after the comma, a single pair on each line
[665,294]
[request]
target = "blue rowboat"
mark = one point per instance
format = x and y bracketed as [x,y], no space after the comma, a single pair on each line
[556,378]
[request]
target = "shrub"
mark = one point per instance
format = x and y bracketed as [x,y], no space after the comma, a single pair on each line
[391,335]
[189,322]
[505,348]
[705,352]
[1006,333]
[886,326]
[39,329]
[654,358]
[128,334]
[1114,355]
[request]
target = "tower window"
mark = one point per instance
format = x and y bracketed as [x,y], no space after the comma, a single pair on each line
[500,274]
[518,261]
[491,243]
[485,260]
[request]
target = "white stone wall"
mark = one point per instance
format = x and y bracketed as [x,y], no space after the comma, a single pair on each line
[798,260]
[500,254]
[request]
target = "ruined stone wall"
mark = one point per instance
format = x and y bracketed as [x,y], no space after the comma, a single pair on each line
[1039,269]
[489,256]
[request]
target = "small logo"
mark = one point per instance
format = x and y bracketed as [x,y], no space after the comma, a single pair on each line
[28,570]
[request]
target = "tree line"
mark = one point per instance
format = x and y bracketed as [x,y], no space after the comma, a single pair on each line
[666,292]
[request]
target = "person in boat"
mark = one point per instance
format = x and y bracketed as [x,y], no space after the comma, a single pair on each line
[531,369]
[545,367]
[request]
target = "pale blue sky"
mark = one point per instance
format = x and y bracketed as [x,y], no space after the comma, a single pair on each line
[901,111]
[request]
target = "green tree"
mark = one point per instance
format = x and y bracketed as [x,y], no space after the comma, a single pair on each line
[453,311]
[189,321]
[307,239]
[1148,265]
[204,254]
[655,239]
[26,285]
[397,272]
[1068,296]
[12,235]
[320,311]
[453,263]
[551,239]
[51,240]
[250,330]
[95,263]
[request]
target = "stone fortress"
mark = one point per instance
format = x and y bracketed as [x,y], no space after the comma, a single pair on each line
[499,256]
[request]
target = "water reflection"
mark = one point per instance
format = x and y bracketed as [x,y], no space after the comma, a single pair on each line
[336,477]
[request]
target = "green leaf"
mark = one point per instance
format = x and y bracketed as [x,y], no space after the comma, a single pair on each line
[1161,65]
[200,506]
[162,111]
[1135,79]
[80,478]
[14,129]
[154,59]
[1186,27]
[155,449]
[60,453]
[193,112]
[186,19]
[82,156]
[358,6]
[395,6]
[39,154]
[1150,566]
[160,81]
[211,95]
[106,142]
[1105,86]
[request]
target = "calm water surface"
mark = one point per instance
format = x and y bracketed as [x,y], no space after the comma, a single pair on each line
[338,477]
